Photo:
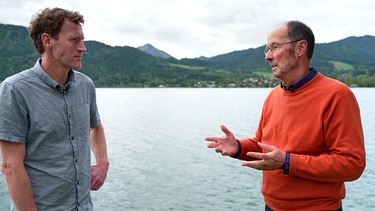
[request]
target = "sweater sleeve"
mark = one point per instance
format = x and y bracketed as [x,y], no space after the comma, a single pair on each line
[345,158]
[251,144]
[248,145]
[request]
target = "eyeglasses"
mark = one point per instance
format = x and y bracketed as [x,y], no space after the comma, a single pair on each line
[274,47]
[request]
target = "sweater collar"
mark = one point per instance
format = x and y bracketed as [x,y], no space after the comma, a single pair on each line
[313,72]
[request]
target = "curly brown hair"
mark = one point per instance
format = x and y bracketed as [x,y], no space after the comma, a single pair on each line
[50,21]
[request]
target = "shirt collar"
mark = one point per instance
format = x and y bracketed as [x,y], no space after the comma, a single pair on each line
[49,81]
[313,72]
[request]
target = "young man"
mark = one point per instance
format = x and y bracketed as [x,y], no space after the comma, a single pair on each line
[49,119]
[310,139]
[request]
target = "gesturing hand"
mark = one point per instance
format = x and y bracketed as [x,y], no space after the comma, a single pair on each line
[273,159]
[226,145]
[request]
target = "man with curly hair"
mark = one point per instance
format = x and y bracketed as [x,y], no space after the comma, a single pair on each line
[49,121]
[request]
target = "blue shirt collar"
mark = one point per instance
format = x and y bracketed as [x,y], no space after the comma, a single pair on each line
[313,72]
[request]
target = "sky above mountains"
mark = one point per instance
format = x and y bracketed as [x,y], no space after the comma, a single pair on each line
[193,28]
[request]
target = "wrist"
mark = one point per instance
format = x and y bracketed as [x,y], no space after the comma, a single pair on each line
[239,149]
[286,165]
[104,163]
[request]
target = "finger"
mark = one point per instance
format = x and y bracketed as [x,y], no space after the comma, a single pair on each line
[225,130]
[266,146]
[253,164]
[93,185]
[219,150]
[96,187]
[96,184]
[212,145]
[258,155]
[224,153]
[211,138]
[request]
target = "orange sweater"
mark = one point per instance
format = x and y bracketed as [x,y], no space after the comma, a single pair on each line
[320,125]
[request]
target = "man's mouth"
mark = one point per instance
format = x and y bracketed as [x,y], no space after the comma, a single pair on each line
[274,66]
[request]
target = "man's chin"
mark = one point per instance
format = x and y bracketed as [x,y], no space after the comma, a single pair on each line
[276,75]
[77,67]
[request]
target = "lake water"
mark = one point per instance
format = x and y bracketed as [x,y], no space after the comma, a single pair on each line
[159,159]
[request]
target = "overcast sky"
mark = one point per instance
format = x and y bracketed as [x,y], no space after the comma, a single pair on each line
[193,28]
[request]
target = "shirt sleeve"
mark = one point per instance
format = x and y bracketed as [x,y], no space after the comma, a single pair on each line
[94,113]
[13,114]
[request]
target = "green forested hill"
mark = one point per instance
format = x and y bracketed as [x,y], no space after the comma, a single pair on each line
[16,50]
[351,60]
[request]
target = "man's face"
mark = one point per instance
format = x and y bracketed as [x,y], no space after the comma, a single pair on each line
[69,47]
[281,55]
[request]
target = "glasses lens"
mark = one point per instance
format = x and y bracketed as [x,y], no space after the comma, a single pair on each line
[266,50]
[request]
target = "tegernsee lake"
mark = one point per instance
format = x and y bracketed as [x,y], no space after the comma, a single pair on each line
[159,159]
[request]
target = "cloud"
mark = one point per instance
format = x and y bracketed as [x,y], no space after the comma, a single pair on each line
[192,28]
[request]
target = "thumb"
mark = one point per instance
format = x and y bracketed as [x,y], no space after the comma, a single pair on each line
[225,130]
[265,146]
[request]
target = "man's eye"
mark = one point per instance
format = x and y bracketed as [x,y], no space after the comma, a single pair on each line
[273,48]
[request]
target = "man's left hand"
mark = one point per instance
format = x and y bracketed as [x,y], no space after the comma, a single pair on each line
[98,175]
[273,159]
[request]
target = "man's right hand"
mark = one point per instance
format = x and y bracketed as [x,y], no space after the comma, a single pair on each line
[226,145]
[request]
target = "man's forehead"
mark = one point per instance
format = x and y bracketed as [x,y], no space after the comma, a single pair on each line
[71,28]
[280,33]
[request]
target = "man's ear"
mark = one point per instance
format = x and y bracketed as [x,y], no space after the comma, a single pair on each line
[46,39]
[301,47]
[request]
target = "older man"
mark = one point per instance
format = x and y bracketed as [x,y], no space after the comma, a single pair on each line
[309,141]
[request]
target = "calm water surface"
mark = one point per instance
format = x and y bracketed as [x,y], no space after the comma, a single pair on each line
[159,159]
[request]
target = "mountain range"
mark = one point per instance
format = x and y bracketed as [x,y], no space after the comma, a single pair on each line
[351,60]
